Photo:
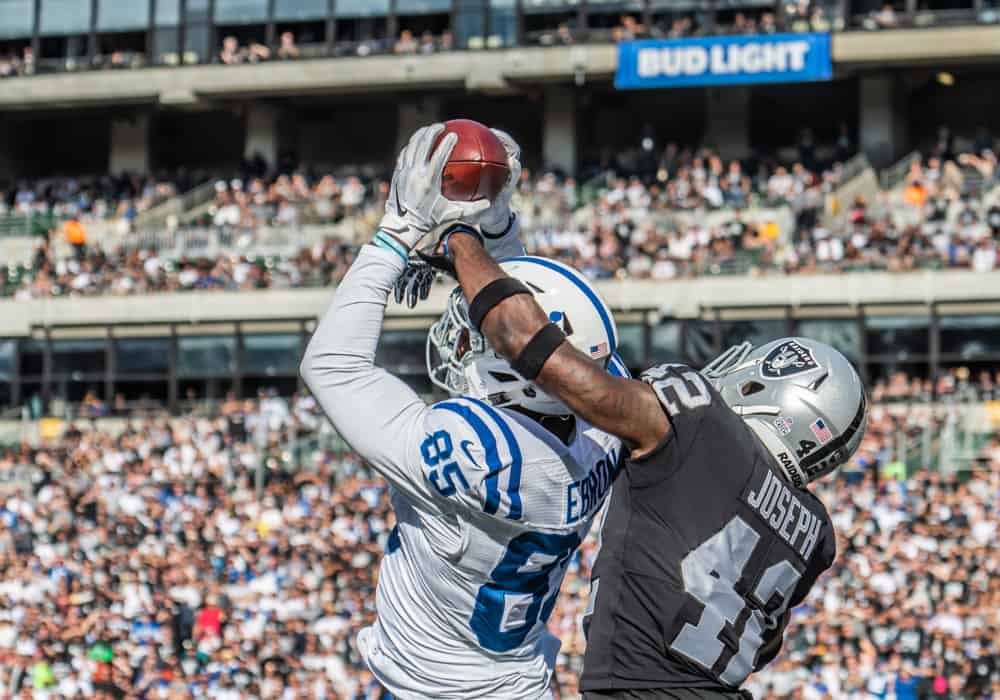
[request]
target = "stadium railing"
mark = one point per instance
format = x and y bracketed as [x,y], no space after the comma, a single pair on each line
[894,176]
[26,225]
[176,206]
[857,178]
[947,435]
[216,242]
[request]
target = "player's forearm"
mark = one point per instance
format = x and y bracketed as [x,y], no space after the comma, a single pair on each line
[513,322]
[339,363]
[348,333]
[625,408]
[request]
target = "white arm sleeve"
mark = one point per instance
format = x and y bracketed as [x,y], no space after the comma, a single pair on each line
[376,413]
[509,245]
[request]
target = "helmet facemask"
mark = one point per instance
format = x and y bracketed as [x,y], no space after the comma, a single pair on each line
[461,362]
[452,345]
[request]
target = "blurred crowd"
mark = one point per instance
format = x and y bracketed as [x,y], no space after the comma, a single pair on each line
[14,64]
[939,217]
[954,385]
[120,197]
[685,212]
[912,606]
[254,199]
[145,271]
[231,554]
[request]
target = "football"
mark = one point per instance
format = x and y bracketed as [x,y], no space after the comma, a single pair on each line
[477,168]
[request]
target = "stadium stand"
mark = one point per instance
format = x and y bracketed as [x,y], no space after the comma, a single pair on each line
[182,181]
[230,553]
[939,216]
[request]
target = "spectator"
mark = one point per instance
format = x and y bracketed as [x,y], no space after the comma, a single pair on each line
[427,44]
[28,61]
[231,52]
[406,44]
[984,258]
[288,49]
[257,52]
[631,28]
[886,17]
[76,236]
[780,186]
[915,194]
[564,35]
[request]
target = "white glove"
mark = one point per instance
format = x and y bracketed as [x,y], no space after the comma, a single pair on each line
[415,204]
[499,225]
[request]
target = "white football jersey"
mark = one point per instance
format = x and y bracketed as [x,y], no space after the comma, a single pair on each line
[474,566]
[490,508]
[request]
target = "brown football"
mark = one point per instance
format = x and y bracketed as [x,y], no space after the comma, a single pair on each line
[477,168]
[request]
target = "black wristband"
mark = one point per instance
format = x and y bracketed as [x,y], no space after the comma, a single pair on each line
[491,295]
[532,358]
[454,229]
[439,257]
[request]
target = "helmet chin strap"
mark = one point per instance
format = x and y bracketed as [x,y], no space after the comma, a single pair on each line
[562,426]
[787,461]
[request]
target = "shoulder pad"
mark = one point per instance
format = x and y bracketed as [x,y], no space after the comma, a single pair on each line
[482,442]
[678,387]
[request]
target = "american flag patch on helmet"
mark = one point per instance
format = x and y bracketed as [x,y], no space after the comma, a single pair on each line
[821,431]
[599,350]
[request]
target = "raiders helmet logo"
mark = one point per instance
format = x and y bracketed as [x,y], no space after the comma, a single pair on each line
[788,359]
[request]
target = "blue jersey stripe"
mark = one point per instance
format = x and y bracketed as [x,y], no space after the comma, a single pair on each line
[618,368]
[489,446]
[393,543]
[514,479]
[583,287]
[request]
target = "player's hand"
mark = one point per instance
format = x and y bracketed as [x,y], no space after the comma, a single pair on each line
[414,285]
[423,265]
[499,224]
[415,204]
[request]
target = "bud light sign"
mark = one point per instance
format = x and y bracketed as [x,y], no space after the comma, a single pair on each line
[774,58]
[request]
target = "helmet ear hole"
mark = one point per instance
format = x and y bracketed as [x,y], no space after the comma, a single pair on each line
[750,388]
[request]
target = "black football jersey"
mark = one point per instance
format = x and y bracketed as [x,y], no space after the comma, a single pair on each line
[705,547]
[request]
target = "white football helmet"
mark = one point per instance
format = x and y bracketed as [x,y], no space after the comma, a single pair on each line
[461,361]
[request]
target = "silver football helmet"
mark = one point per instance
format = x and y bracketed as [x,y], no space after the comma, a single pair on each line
[802,398]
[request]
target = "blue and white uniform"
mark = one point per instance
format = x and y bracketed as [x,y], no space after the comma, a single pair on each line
[490,508]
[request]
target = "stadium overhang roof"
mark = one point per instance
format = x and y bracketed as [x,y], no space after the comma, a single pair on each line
[484,71]
[471,70]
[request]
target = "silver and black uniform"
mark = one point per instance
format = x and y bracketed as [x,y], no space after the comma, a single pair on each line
[705,548]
